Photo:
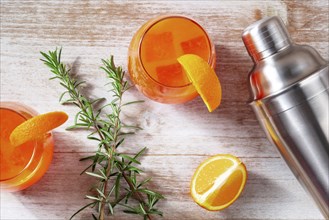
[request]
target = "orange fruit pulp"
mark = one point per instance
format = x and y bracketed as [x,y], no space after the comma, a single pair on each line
[153,54]
[203,78]
[218,182]
[24,165]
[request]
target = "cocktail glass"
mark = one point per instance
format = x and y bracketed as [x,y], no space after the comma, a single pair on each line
[153,53]
[24,165]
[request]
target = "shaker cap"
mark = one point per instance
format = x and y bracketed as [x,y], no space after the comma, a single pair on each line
[265,37]
[291,65]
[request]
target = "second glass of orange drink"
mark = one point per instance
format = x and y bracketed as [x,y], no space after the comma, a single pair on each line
[24,165]
[153,53]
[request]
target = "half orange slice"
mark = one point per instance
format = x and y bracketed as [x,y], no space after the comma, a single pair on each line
[218,182]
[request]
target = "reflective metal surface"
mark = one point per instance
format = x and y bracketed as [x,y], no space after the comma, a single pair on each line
[289,87]
[265,37]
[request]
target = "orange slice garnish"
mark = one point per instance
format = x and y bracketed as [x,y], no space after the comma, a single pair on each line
[35,127]
[218,182]
[204,79]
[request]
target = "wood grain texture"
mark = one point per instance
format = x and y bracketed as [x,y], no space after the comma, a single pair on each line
[178,137]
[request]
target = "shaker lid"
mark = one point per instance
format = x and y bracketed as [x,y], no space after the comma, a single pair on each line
[265,37]
[280,64]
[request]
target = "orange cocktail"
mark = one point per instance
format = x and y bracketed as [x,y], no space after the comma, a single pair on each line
[23,165]
[153,53]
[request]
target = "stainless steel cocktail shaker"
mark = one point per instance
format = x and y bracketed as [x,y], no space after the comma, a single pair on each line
[289,86]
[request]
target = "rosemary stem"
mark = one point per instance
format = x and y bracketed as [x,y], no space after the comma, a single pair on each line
[108,133]
[110,149]
[108,171]
[138,195]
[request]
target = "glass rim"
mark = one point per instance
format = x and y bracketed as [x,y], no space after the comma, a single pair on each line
[18,108]
[158,19]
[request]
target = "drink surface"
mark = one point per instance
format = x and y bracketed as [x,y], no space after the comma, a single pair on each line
[165,41]
[24,165]
[153,53]
[13,160]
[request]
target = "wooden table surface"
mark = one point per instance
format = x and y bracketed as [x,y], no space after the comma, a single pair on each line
[178,137]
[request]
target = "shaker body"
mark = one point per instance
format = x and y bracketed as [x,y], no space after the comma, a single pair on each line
[301,134]
[289,87]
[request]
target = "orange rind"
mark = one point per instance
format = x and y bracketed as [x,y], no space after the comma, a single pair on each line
[204,79]
[36,127]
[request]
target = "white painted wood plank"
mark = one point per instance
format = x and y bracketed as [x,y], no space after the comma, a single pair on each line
[271,191]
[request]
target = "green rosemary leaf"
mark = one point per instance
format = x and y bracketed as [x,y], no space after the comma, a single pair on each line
[88,167]
[59,54]
[85,118]
[142,209]
[93,198]
[133,179]
[152,200]
[45,56]
[65,86]
[128,195]
[107,131]
[93,167]
[125,86]
[132,102]
[93,138]
[87,158]
[125,133]
[76,104]
[138,154]
[119,143]
[55,77]
[134,169]
[107,134]
[95,175]
[131,211]
[155,212]
[104,142]
[77,84]
[103,154]
[144,182]
[101,193]
[132,127]
[98,114]
[105,69]
[62,95]
[114,174]
[94,217]
[84,207]
[125,156]
[111,191]
[151,193]
[110,208]
[117,186]
[104,106]
[77,126]
[67,101]
[103,174]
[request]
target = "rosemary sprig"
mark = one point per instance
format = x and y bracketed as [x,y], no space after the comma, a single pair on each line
[116,172]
